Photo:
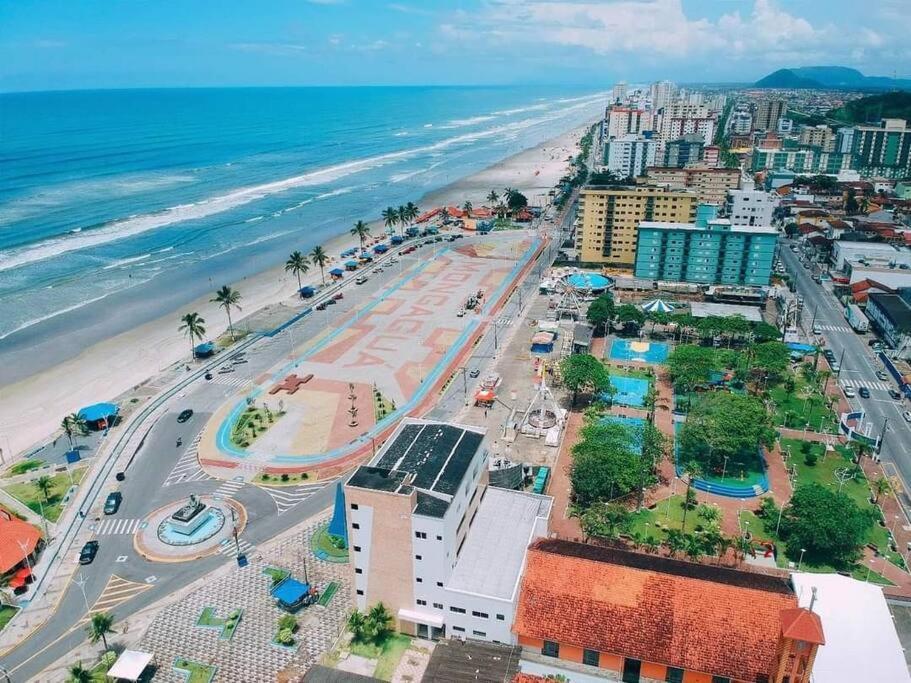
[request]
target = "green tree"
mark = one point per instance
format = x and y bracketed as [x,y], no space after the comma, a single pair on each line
[601,312]
[361,231]
[411,212]
[515,200]
[320,258]
[79,674]
[790,229]
[827,523]
[628,314]
[880,486]
[74,425]
[493,197]
[467,207]
[708,513]
[676,541]
[44,484]
[605,465]
[297,264]
[390,217]
[193,326]
[770,359]
[378,623]
[228,298]
[100,625]
[764,332]
[582,372]
[692,470]
[690,366]
[605,520]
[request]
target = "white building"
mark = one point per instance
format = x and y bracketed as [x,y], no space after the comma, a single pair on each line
[627,121]
[751,207]
[662,93]
[871,252]
[741,122]
[619,92]
[630,155]
[432,541]
[678,119]
[785,126]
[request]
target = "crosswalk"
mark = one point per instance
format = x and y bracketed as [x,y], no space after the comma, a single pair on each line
[229,547]
[229,380]
[229,488]
[115,593]
[187,467]
[834,328]
[287,497]
[857,383]
[112,526]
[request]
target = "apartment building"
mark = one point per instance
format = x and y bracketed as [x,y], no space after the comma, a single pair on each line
[678,119]
[609,216]
[432,541]
[820,136]
[707,251]
[622,121]
[767,113]
[883,150]
[618,94]
[661,94]
[741,122]
[711,185]
[805,160]
[750,207]
[630,155]
[684,151]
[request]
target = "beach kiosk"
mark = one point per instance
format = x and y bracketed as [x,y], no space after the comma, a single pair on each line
[336,273]
[291,594]
[204,350]
[307,292]
[99,416]
[351,265]
[130,665]
[380,249]
[365,257]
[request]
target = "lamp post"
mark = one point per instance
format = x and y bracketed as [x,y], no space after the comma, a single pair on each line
[800,561]
[778,525]
[724,467]
[869,571]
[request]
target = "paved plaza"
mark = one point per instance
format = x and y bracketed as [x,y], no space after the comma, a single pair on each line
[250,655]
[382,361]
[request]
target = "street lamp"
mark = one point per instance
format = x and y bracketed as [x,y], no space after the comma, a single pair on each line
[869,571]
[724,468]
[800,561]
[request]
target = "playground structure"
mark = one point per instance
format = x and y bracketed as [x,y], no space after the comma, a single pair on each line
[543,417]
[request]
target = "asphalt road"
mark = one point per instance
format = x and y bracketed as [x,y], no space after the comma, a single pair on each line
[162,473]
[858,366]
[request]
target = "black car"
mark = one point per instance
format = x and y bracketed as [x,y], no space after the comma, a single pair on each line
[864,392]
[185,415]
[474,373]
[112,502]
[88,552]
[208,375]
[895,395]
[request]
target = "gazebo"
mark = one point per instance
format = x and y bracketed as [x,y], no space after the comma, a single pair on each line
[657,306]
[99,415]
[130,665]
[351,265]
[337,273]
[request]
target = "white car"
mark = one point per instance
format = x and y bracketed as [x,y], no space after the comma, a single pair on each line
[907,415]
[849,392]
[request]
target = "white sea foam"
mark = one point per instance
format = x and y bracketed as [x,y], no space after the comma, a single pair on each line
[462,123]
[126,261]
[54,314]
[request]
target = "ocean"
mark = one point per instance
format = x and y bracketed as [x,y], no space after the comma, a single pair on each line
[108,196]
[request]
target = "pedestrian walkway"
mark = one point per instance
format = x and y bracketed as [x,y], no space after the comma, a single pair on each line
[834,328]
[229,547]
[857,383]
[287,497]
[112,526]
[187,467]
[230,379]
[115,593]
[229,488]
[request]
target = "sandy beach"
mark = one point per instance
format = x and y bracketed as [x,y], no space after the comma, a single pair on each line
[31,409]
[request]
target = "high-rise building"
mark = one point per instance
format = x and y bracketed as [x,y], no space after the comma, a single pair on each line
[441,549]
[710,185]
[768,112]
[707,251]
[684,151]
[801,160]
[619,92]
[820,136]
[629,155]
[844,140]
[609,216]
[677,120]
[883,150]
[711,156]
[662,93]
[627,121]
[750,207]
[785,126]
[741,122]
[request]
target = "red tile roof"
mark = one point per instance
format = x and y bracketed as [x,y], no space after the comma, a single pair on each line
[701,618]
[528,678]
[17,540]
[801,624]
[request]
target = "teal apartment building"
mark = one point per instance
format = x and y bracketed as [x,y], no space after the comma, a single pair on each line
[709,251]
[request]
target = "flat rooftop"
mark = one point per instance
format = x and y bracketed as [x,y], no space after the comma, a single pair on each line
[701,309]
[432,457]
[725,223]
[493,556]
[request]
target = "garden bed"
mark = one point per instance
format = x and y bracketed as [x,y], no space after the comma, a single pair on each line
[252,423]
[327,549]
[227,625]
[194,672]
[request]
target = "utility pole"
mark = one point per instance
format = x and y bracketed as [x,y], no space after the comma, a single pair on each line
[465,384]
[815,311]
[882,437]
[840,361]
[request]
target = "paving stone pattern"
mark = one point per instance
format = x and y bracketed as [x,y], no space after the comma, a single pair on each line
[250,656]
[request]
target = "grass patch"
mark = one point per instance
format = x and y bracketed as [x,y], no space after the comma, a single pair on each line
[324,545]
[666,514]
[630,372]
[7,612]
[227,626]
[194,672]
[328,594]
[277,574]
[22,467]
[31,496]
[382,406]
[802,406]
[252,423]
[388,653]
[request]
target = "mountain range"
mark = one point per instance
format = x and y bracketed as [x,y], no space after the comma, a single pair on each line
[828,78]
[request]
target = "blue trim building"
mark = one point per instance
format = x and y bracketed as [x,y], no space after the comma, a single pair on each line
[709,251]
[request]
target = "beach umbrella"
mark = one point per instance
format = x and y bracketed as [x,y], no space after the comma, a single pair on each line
[657,306]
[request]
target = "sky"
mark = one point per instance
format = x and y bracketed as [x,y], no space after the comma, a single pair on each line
[83,44]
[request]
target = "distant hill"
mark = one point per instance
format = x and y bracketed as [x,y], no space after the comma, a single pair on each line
[834,77]
[875,107]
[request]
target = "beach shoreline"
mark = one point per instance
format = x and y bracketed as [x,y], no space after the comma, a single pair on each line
[31,408]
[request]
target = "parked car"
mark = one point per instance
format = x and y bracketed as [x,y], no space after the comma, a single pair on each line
[882,375]
[895,395]
[338,297]
[474,373]
[88,552]
[184,415]
[849,392]
[112,502]
[864,392]
[835,365]
[331,302]
[208,375]
[321,306]
[907,415]
[817,329]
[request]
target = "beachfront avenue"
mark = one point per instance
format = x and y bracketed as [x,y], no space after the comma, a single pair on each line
[158,473]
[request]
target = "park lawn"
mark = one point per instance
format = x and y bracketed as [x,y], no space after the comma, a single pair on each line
[795,409]
[388,653]
[32,497]
[666,514]
[7,612]
[22,467]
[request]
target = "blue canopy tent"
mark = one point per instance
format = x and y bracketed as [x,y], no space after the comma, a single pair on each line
[337,272]
[204,350]
[380,249]
[365,256]
[99,415]
[307,292]
[351,265]
[292,594]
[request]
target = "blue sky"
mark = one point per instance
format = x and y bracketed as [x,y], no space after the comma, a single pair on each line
[63,44]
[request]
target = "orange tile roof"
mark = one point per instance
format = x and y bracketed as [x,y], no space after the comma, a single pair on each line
[14,531]
[528,678]
[701,618]
[801,624]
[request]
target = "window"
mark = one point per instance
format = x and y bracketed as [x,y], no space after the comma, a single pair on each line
[439,584]
[421,602]
[439,538]
[438,605]
[500,617]
[550,649]
[359,591]
[480,633]
[482,615]
[354,506]
[355,525]
[418,557]
[458,628]
[357,548]
[674,675]
[631,669]
[420,534]
[419,579]
[358,570]
[720,679]
[591,657]
[457,610]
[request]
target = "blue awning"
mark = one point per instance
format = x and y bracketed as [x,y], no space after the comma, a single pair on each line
[204,349]
[290,591]
[351,264]
[336,271]
[98,411]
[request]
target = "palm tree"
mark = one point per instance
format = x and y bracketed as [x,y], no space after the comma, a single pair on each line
[73,424]
[79,674]
[226,297]
[880,486]
[467,207]
[44,484]
[193,325]
[320,258]
[413,211]
[361,231]
[492,196]
[297,264]
[692,470]
[100,626]
[390,217]
[403,215]
[356,624]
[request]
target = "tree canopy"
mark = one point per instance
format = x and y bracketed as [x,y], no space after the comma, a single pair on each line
[724,424]
[601,311]
[582,372]
[827,524]
[630,314]
[690,366]
[769,359]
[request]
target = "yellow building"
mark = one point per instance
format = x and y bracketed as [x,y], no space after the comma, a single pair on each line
[609,217]
[711,185]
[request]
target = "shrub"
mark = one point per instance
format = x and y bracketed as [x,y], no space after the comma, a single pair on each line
[810,459]
[265,476]
[287,622]
[285,476]
[108,659]
[285,636]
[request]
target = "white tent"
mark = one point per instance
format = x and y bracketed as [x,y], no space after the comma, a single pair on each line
[130,665]
[657,306]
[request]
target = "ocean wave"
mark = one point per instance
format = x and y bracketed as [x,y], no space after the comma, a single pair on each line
[129,227]
[522,110]
[462,123]
[54,314]
[400,134]
[126,261]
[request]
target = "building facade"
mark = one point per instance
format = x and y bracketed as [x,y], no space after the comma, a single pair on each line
[707,251]
[711,185]
[622,121]
[820,136]
[801,160]
[432,541]
[683,151]
[891,316]
[629,155]
[767,113]
[750,207]
[741,122]
[679,119]
[609,216]
[883,150]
